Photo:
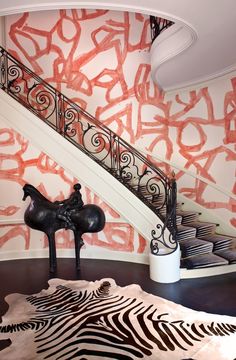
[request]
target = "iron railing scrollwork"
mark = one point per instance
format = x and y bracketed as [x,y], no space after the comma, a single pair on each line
[124,162]
[158,25]
[158,235]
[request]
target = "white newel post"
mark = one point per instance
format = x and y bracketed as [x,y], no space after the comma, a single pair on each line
[164,267]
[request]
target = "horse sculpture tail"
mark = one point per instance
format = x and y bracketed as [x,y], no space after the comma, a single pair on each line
[90,218]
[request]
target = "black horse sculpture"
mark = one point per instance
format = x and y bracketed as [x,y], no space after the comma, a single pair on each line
[47,216]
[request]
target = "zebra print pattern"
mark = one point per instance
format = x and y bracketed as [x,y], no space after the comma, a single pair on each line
[72,324]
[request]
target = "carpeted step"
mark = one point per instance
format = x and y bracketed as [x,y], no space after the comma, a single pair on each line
[188,216]
[229,255]
[185,232]
[195,246]
[178,220]
[156,199]
[203,261]
[178,206]
[220,242]
[203,228]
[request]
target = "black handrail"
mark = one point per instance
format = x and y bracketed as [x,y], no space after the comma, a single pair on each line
[120,159]
[158,25]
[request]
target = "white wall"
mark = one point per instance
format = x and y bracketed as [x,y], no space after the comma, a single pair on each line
[2,31]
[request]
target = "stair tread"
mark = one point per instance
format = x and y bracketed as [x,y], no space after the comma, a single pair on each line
[193,242]
[191,254]
[217,237]
[188,217]
[157,202]
[229,254]
[220,242]
[194,246]
[184,227]
[203,261]
[181,229]
[201,224]
[178,219]
[184,232]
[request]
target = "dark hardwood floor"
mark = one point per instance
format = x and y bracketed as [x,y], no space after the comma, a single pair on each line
[213,294]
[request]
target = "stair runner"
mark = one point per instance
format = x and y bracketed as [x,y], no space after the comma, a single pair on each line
[201,246]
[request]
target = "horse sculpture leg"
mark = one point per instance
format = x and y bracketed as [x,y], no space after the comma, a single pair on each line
[52,252]
[78,244]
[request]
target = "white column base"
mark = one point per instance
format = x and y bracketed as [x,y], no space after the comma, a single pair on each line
[165,268]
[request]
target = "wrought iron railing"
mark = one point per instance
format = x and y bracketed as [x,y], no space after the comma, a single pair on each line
[158,25]
[101,144]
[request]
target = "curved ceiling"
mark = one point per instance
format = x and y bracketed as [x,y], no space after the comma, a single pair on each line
[209,26]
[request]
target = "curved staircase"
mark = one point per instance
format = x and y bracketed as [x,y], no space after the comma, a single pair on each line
[200,245]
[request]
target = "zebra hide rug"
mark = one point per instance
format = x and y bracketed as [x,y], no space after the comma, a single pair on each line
[101,320]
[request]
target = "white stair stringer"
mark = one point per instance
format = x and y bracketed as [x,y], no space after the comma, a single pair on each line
[132,209]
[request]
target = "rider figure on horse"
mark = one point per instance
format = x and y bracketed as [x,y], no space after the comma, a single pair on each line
[74,202]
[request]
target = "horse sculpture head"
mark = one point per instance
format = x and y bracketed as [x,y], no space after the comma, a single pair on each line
[30,190]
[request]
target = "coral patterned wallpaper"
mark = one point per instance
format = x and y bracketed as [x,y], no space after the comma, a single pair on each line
[20,163]
[100,59]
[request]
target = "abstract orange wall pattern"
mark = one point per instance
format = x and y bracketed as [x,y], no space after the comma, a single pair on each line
[100,59]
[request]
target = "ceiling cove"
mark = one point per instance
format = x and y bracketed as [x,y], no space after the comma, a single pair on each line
[199,47]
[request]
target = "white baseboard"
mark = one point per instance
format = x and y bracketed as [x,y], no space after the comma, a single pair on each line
[101,254]
[92,253]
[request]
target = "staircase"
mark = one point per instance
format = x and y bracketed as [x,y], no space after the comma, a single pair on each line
[200,244]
